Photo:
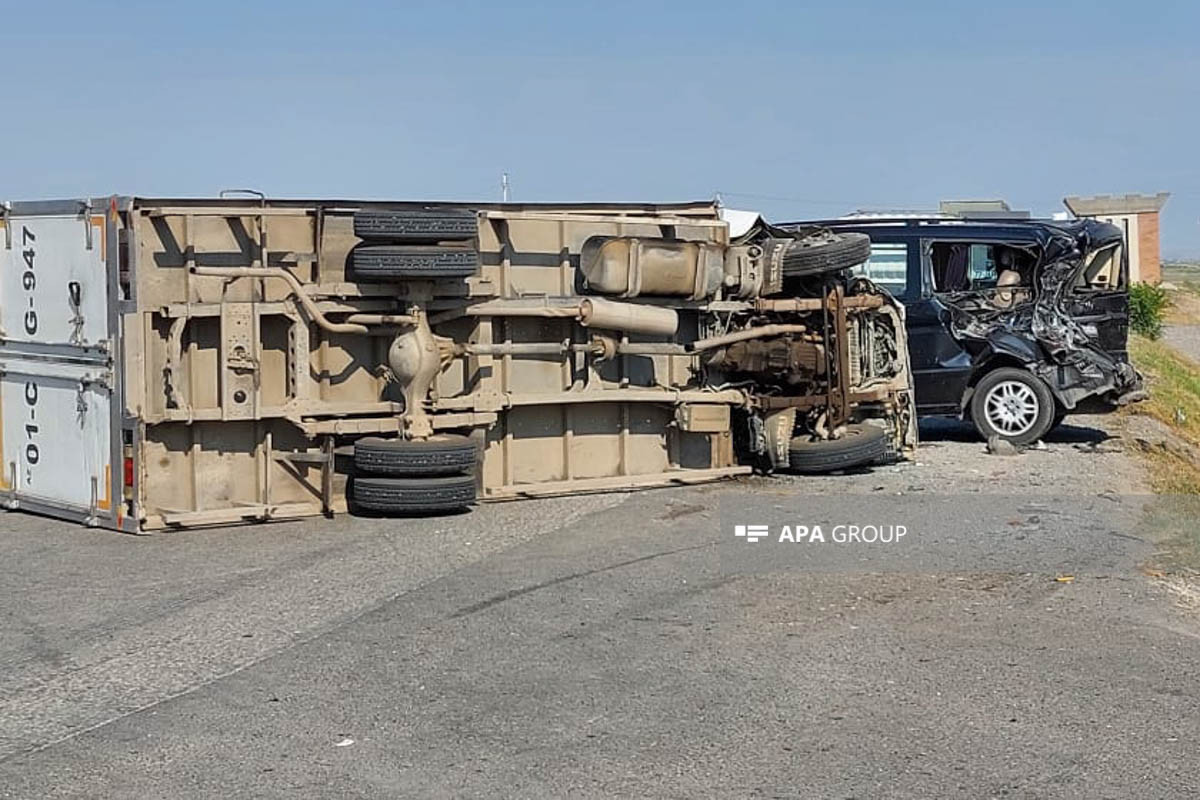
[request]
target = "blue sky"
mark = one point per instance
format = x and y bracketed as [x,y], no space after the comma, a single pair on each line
[796,109]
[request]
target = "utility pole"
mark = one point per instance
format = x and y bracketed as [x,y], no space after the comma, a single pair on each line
[504,192]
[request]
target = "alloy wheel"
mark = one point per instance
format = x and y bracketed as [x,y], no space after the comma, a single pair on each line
[1011,408]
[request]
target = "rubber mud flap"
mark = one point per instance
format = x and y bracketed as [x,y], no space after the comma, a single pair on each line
[860,445]
[826,252]
[384,263]
[439,225]
[413,495]
[443,454]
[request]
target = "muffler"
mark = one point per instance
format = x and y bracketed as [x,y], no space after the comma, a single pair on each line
[596,312]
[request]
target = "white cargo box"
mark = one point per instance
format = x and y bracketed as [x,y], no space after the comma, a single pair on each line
[61,443]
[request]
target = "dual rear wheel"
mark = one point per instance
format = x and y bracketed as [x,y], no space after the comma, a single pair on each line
[402,477]
[420,244]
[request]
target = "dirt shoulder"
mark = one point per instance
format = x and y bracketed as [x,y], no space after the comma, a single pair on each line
[1184,338]
[1165,430]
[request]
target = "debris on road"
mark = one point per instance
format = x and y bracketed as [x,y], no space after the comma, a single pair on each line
[1001,447]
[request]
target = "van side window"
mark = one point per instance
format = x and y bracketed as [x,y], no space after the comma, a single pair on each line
[887,266]
[974,267]
[1103,270]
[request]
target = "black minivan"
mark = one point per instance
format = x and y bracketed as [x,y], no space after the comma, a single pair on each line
[1013,324]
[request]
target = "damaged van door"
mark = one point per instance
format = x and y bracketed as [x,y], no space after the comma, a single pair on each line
[1059,309]
[1099,301]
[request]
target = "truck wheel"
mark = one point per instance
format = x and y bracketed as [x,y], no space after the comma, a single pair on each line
[413,495]
[416,226]
[1012,404]
[383,263]
[861,444]
[443,454]
[826,252]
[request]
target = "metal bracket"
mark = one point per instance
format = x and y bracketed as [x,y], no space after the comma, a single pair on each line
[102,379]
[86,207]
[5,213]
[327,470]
[239,360]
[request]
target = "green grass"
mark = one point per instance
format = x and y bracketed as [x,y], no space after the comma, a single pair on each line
[1170,521]
[1174,384]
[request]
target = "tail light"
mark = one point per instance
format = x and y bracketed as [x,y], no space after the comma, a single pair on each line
[128,473]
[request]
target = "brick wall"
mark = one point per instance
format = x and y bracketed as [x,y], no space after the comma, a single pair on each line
[1149,267]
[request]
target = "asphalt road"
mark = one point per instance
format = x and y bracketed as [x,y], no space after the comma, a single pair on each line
[1008,645]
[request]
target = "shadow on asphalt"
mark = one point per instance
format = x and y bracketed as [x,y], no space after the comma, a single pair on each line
[942,429]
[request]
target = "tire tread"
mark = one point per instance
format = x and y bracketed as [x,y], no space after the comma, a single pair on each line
[868,446]
[414,495]
[387,262]
[830,252]
[433,225]
[443,455]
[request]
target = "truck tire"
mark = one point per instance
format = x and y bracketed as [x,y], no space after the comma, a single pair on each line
[440,225]
[826,252]
[384,263]
[413,495]
[1013,404]
[861,444]
[443,454]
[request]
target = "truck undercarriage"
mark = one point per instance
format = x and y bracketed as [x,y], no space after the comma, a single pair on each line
[283,358]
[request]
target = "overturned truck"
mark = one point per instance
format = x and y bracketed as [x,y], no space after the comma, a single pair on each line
[171,363]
